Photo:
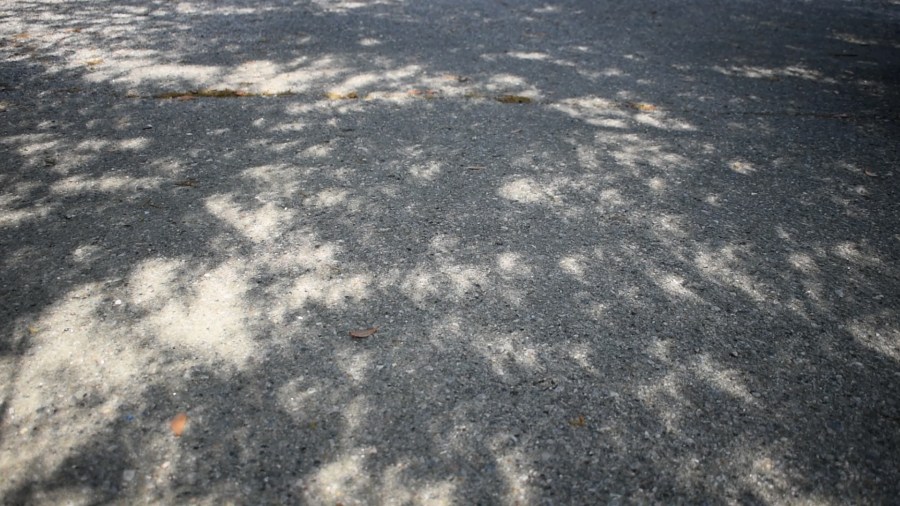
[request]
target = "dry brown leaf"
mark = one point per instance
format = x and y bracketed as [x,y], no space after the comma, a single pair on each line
[870,173]
[577,422]
[94,62]
[360,334]
[178,423]
[642,106]
[422,93]
[514,99]
[23,35]
[454,77]
[334,95]
[33,330]
[222,93]
[205,93]
[187,183]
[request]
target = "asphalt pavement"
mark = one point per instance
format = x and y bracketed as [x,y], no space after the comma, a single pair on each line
[449,252]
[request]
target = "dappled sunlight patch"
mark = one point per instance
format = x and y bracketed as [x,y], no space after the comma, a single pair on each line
[13,215]
[878,332]
[328,197]
[594,110]
[667,225]
[513,266]
[803,263]
[527,190]
[299,397]
[511,85]
[419,285]
[611,197]
[532,55]
[768,476]
[447,281]
[598,311]
[664,397]
[277,180]
[211,322]
[722,378]
[264,223]
[723,266]
[514,469]
[774,73]
[632,151]
[66,389]
[344,480]
[397,487]
[506,353]
[328,286]
[674,286]
[153,282]
[129,71]
[741,167]
[581,354]
[317,151]
[659,119]
[852,38]
[656,184]
[443,244]
[80,183]
[857,254]
[574,265]
[427,171]
[354,363]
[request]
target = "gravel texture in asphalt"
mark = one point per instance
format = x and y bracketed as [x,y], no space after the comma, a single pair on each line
[602,252]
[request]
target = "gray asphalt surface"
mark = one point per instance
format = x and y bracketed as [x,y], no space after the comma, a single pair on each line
[662,269]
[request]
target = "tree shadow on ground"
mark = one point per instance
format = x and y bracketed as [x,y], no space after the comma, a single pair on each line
[670,277]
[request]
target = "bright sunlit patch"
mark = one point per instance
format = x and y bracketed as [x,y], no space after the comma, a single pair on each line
[856,254]
[398,487]
[528,55]
[328,198]
[723,378]
[111,183]
[674,285]
[723,266]
[328,286]
[69,386]
[512,265]
[528,191]
[513,465]
[210,321]
[803,263]
[261,224]
[742,167]
[341,481]
[574,265]
[879,333]
[773,73]
[427,171]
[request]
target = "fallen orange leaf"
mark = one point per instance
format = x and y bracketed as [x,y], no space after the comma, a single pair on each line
[178,424]
[359,334]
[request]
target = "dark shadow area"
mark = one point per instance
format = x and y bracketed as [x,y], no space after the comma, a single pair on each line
[671,276]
